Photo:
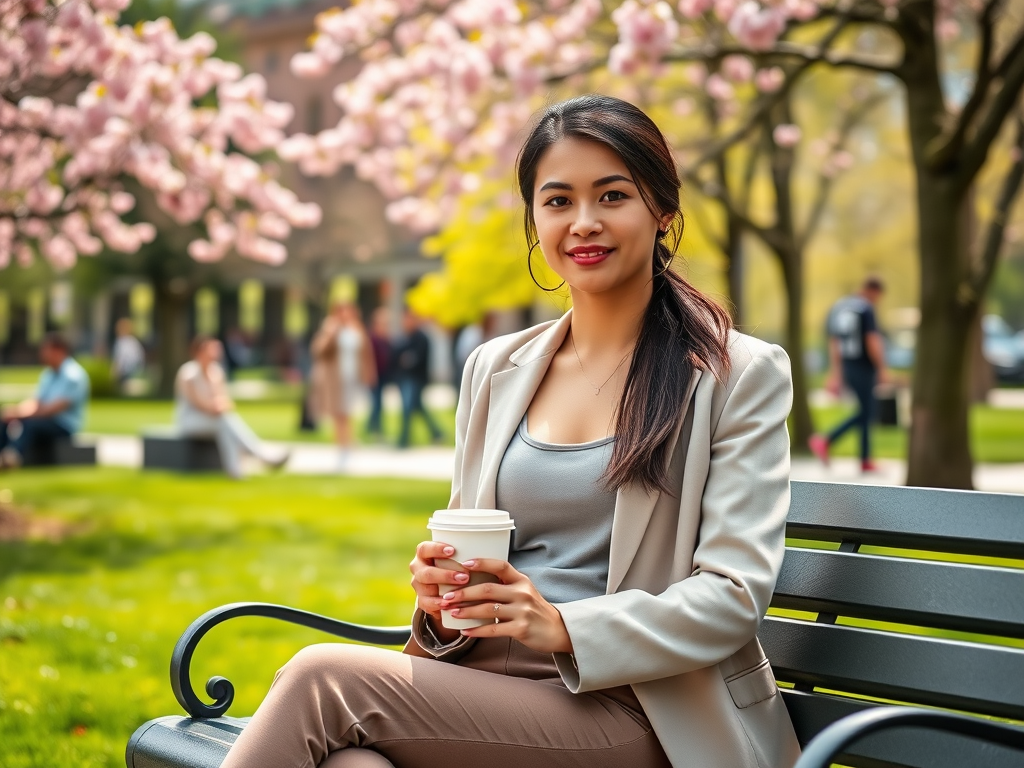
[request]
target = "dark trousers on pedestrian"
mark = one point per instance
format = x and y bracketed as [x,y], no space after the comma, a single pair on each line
[861,380]
[373,424]
[35,433]
[412,402]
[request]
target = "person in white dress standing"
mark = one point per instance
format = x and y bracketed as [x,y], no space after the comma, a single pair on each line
[202,406]
[343,366]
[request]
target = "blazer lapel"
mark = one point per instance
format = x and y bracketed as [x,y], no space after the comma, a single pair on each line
[634,507]
[511,392]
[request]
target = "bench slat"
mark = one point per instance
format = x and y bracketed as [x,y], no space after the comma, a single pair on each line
[967,598]
[970,677]
[964,522]
[899,748]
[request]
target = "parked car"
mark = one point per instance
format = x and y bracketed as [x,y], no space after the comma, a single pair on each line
[1003,349]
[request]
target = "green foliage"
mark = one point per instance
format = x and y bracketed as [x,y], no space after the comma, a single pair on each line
[484,253]
[122,561]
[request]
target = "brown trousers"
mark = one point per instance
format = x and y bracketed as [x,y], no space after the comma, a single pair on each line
[502,705]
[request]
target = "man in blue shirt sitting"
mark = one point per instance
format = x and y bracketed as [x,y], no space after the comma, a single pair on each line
[57,410]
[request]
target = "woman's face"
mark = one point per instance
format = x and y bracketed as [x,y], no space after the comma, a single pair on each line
[210,352]
[594,228]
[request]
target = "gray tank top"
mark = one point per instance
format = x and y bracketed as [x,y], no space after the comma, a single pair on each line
[562,511]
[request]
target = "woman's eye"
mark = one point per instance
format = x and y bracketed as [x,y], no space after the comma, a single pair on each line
[613,196]
[558,202]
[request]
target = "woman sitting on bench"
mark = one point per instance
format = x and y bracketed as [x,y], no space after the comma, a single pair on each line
[203,407]
[641,447]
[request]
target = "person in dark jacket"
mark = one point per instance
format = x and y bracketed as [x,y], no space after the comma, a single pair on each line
[856,360]
[380,341]
[412,372]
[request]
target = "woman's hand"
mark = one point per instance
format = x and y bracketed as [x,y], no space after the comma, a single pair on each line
[426,577]
[521,612]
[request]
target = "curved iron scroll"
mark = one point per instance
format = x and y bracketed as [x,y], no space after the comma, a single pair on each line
[826,746]
[220,688]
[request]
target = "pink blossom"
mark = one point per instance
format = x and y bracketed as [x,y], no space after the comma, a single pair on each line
[756,27]
[769,80]
[691,9]
[737,69]
[719,88]
[787,135]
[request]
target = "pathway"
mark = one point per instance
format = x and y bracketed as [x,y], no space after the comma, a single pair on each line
[437,463]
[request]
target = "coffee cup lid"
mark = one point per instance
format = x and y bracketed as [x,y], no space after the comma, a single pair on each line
[470,520]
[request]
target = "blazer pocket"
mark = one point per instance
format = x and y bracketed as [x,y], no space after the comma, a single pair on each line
[752,685]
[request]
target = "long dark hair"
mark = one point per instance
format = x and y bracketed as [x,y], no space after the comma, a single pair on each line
[682,329]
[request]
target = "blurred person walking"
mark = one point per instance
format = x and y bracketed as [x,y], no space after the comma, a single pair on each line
[342,364]
[202,406]
[57,410]
[857,359]
[380,341]
[128,359]
[412,370]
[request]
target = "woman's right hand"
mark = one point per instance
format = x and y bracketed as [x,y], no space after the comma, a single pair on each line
[426,576]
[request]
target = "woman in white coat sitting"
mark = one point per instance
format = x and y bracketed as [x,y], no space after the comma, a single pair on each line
[640,445]
[202,406]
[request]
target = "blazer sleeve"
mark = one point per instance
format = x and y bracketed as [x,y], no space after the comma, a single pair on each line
[634,636]
[422,634]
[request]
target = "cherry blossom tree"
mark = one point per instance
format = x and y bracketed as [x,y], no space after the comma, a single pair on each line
[446,88]
[86,105]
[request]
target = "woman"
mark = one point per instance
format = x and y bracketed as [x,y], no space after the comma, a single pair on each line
[202,406]
[342,365]
[641,447]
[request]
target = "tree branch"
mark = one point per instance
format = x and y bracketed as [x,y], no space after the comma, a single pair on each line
[948,148]
[977,283]
[825,183]
[807,54]
[975,152]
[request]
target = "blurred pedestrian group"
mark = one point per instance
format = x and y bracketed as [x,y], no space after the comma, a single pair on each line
[352,366]
[351,362]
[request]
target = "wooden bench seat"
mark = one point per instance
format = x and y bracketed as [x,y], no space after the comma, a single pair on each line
[921,605]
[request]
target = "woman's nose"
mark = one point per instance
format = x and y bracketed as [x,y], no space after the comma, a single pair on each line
[586,222]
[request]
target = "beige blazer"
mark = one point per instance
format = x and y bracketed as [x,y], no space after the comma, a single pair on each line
[690,574]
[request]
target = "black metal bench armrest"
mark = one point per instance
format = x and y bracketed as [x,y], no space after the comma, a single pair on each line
[221,689]
[827,745]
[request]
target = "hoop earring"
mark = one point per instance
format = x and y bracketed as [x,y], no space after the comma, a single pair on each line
[529,266]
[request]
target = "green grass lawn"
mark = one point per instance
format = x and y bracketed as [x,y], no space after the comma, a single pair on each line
[88,617]
[117,563]
[997,434]
[273,420]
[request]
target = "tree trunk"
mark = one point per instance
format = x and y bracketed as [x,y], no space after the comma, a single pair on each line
[801,423]
[735,269]
[171,305]
[939,453]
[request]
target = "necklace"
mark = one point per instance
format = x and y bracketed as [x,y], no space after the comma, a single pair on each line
[597,388]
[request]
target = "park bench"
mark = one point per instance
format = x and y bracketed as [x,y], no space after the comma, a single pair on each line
[166,448]
[878,620]
[64,451]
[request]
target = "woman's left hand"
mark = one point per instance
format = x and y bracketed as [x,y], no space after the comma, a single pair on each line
[521,612]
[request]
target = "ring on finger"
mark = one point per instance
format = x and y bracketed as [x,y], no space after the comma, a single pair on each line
[496,607]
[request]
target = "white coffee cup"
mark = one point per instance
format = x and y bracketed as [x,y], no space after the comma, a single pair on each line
[475,534]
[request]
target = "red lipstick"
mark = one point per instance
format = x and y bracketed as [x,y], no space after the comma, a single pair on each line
[586,255]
